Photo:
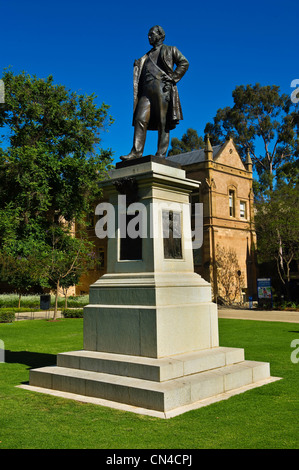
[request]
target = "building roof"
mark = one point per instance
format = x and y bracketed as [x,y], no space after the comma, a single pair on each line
[195,156]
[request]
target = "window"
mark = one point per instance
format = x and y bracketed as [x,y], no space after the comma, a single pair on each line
[231,196]
[242,209]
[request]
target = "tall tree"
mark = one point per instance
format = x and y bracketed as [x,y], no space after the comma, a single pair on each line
[52,147]
[50,160]
[190,141]
[263,120]
[277,227]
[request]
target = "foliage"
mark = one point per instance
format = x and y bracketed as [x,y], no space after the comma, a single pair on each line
[286,305]
[190,141]
[33,301]
[72,313]
[65,259]
[23,272]
[52,156]
[7,316]
[262,120]
[18,310]
[277,227]
[50,167]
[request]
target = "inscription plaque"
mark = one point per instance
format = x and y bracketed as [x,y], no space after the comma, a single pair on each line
[172,235]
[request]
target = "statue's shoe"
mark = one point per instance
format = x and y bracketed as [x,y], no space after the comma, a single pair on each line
[130,156]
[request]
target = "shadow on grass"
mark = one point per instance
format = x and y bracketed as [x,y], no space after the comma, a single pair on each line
[30,359]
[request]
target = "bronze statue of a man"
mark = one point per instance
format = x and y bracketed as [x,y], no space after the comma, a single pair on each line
[156,99]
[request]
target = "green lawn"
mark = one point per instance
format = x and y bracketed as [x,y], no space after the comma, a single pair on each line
[266,417]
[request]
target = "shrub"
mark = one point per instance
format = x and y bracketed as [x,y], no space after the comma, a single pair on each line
[18,310]
[75,302]
[7,316]
[72,313]
[33,301]
[12,301]
[285,305]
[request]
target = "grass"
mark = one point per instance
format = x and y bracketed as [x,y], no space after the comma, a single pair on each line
[266,417]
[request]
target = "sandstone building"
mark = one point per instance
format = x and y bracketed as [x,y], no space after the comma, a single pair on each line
[227,196]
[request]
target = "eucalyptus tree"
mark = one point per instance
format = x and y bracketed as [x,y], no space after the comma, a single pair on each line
[264,121]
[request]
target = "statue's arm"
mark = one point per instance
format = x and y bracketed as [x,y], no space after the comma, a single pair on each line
[181,63]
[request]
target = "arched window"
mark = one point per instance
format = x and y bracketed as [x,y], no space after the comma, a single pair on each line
[232,204]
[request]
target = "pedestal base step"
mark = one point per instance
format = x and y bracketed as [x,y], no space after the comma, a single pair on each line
[150,394]
[157,370]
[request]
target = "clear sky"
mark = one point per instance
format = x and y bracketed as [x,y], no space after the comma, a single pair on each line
[90,46]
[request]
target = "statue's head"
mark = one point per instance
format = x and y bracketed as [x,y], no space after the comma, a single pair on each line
[156,35]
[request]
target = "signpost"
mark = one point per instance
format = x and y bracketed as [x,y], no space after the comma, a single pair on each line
[264,293]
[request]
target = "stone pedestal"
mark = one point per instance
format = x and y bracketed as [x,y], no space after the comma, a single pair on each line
[154,306]
[151,329]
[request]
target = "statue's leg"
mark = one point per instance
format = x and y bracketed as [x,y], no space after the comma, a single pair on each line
[163,135]
[139,137]
[141,121]
[163,142]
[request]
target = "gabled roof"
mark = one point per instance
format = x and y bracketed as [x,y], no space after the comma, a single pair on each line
[196,156]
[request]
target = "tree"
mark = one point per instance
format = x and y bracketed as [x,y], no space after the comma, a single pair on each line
[229,276]
[277,227]
[262,120]
[51,161]
[66,259]
[21,272]
[52,154]
[190,141]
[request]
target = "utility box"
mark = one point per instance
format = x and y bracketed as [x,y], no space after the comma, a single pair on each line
[45,301]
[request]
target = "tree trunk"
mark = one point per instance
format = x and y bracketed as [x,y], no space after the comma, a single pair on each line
[65,299]
[19,304]
[288,281]
[56,302]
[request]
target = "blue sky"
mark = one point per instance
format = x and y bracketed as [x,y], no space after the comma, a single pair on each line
[90,47]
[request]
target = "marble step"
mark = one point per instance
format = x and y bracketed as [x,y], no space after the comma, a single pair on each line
[158,370]
[160,396]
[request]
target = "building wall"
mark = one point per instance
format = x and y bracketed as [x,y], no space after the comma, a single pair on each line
[218,176]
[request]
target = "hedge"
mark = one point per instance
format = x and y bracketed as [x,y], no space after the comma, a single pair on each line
[18,310]
[72,312]
[7,316]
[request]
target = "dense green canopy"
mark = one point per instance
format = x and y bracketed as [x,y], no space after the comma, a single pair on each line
[50,166]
